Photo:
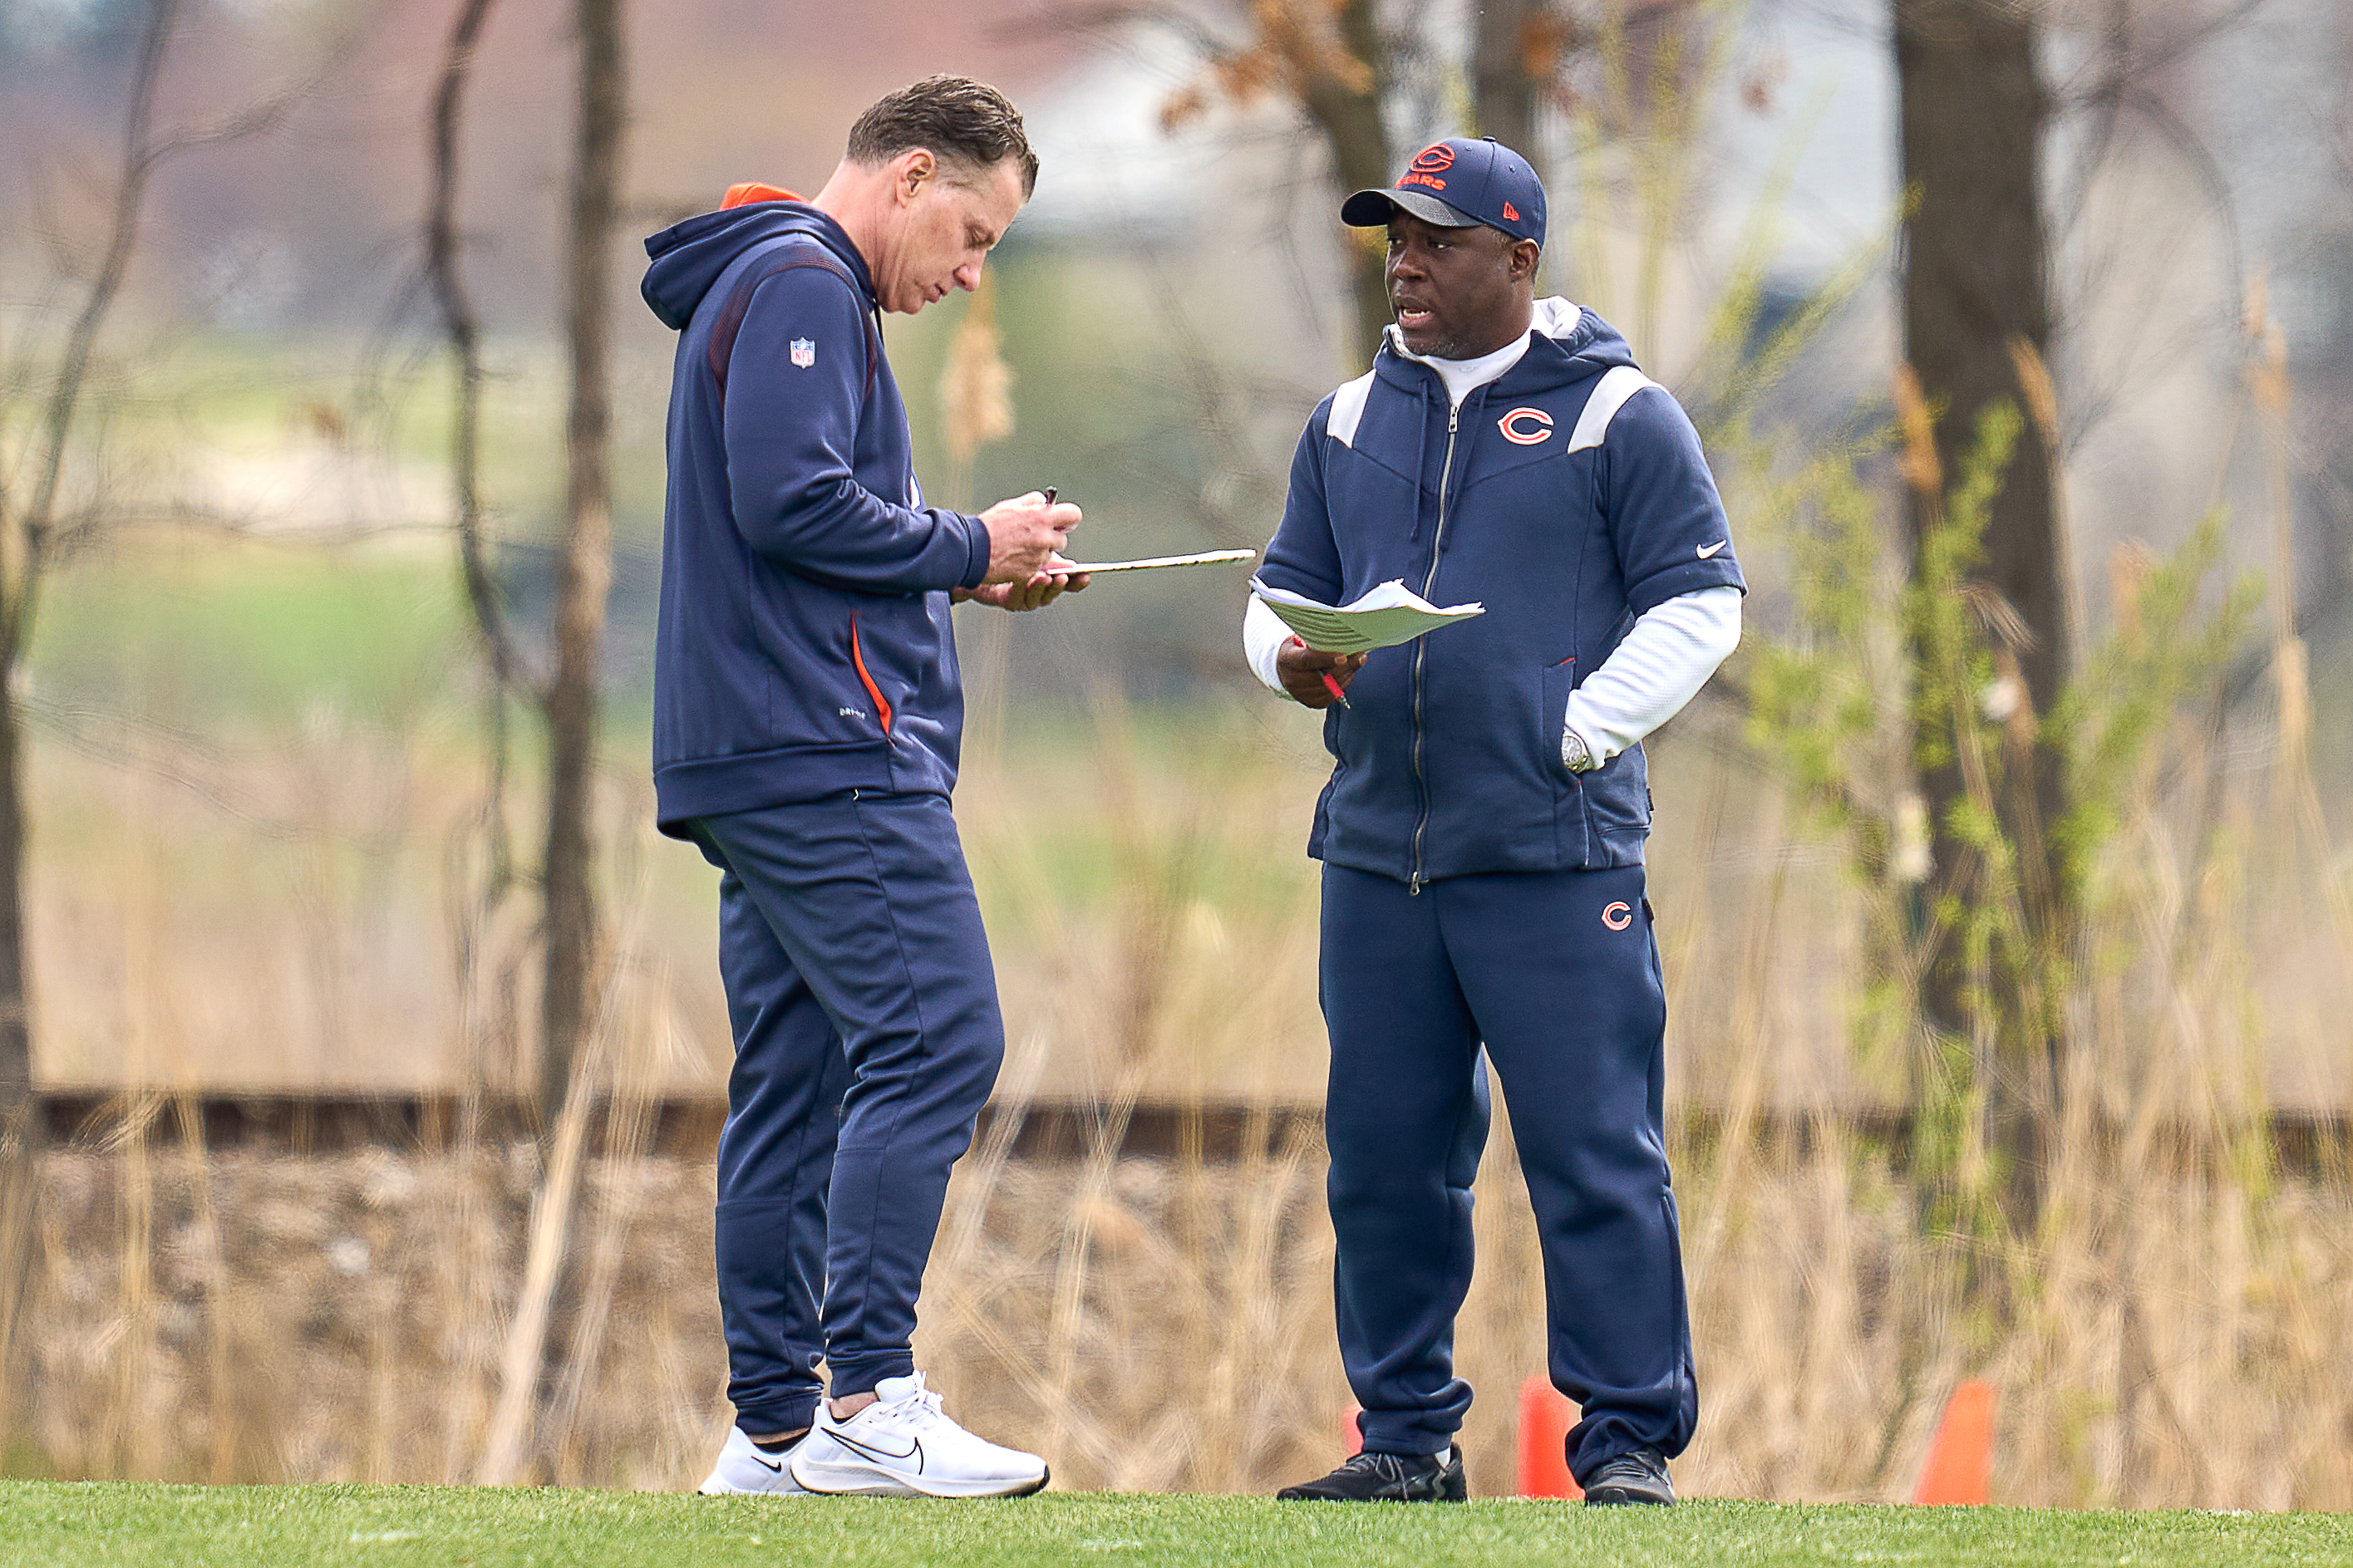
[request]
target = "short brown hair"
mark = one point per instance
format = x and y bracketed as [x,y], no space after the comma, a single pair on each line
[955,118]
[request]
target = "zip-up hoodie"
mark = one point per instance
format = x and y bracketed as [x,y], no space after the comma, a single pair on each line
[804,646]
[1567,495]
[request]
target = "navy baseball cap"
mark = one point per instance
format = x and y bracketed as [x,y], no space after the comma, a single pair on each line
[1456,184]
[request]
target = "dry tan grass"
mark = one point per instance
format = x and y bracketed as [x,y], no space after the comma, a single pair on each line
[2172,1335]
[1159,1325]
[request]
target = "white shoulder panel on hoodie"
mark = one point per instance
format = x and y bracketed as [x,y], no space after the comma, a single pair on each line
[1556,317]
[1347,407]
[1618,383]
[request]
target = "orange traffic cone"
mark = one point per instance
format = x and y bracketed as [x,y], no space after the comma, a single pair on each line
[1545,1417]
[1960,1461]
[1352,1431]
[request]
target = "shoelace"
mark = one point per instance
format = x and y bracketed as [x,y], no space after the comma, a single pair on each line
[925,1398]
[1388,1467]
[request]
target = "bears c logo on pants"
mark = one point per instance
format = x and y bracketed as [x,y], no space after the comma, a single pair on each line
[1618,916]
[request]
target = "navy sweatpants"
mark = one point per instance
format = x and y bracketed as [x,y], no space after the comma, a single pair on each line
[1557,973]
[867,1036]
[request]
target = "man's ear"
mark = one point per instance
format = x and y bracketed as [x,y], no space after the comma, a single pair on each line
[910,172]
[1525,256]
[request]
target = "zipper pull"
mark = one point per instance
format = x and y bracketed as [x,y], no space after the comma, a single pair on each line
[1413,886]
[1453,413]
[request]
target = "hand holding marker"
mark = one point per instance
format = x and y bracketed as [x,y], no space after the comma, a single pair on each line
[1330,685]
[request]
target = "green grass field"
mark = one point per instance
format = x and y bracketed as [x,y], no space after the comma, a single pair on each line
[59,1525]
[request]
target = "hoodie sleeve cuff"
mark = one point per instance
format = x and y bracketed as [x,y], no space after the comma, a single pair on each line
[975,547]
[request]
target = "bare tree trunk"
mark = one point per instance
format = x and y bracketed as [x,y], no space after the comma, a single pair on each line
[26,548]
[1976,295]
[584,571]
[21,1133]
[1345,105]
[1503,97]
[24,555]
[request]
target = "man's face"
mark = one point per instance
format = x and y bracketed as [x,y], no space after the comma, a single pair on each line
[1459,293]
[940,231]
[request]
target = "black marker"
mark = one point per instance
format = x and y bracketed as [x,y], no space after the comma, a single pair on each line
[1049,495]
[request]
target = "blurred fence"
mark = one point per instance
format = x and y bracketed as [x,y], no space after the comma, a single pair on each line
[2299,1144]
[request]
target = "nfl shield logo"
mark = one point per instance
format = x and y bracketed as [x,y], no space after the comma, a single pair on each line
[804,352]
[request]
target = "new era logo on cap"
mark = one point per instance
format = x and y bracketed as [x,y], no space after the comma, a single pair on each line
[1455,184]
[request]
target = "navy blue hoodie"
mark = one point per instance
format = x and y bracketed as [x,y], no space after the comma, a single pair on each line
[1567,495]
[804,646]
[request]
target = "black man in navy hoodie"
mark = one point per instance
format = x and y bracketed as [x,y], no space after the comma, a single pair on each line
[1483,834]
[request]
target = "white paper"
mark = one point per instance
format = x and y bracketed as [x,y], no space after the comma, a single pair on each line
[1388,616]
[1150,563]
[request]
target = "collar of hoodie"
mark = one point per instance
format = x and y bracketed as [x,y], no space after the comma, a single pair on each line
[1554,318]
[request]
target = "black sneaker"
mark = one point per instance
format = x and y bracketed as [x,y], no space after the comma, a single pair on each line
[1387,1477]
[1638,1477]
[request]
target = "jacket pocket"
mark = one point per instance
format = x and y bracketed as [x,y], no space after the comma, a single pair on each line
[1618,810]
[1559,680]
[1572,834]
[1621,794]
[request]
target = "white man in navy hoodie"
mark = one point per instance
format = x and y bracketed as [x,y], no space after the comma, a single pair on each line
[1482,836]
[807,716]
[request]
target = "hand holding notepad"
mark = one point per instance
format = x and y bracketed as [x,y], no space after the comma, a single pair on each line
[1388,616]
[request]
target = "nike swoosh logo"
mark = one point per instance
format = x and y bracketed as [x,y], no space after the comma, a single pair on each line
[776,1465]
[876,1451]
[1707,550]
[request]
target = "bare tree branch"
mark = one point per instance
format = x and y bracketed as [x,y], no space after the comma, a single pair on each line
[461,326]
[144,155]
[1330,60]
[1104,20]
[255,120]
[18,593]
[137,743]
[87,526]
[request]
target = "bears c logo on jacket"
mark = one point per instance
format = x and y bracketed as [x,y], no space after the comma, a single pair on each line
[1526,426]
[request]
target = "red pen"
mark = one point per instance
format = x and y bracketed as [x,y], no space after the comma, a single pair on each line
[1330,685]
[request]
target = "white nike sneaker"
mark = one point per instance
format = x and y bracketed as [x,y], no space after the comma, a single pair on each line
[743,1468]
[904,1446]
